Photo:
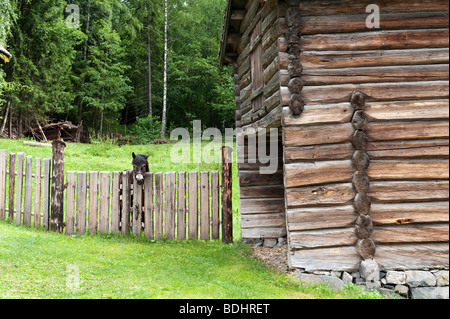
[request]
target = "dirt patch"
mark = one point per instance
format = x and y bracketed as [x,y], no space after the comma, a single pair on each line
[275,258]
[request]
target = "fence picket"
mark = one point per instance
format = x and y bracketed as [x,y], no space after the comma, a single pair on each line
[70,203]
[12,181]
[193,206]
[125,222]
[28,191]
[170,205]
[137,208]
[105,179]
[115,203]
[20,157]
[3,163]
[158,206]
[93,203]
[37,193]
[148,206]
[215,215]
[46,193]
[204,206]
[81,202]
[181,205]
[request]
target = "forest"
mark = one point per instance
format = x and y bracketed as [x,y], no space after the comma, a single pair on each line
[141,67]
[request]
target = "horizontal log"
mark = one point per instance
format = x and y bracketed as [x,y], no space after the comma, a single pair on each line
[273,191]
[303,174]
[411,169]
[407,110]
[337,258]
[265,232]
[276,220]
[373,58]
[328,195]
[322,238]
[389,131]
[262,205]
[408,191]
[357,22]
[254,178]
[376,74]
[409,149]
[320,217]
[415,256]
[409,213]
[318,152]
[319,114]
[331,94]
[318,134]
[410,234]
[330,7]
[377,40]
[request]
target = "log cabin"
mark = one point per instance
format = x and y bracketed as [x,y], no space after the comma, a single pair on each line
[362,113]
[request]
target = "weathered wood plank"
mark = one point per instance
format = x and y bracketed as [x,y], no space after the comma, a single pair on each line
[148,206]
[330,7]
[334,194]
[342,93]
[389,131]
[313,173]
[408,191]
[322,238]
[266,232]
[137,208]
[181,206]
[318,134]
[19,197]
[28,191]
[262,205]
[193,206]
[46,193]
[215,207]
[115,202]
[159,219]
[93,203]
[37,193]
[376,74]
[70,203]
[372,58]
[411,169]
[318,152]
[376,40]
[3,167]
[406,149]
[105,179]
[81,202]
[412,256]
[337,258]
[12,182]
[408,110]
[357,22]
[320,217]
[411,234]
[170,207]
[409,213]
[254,178]
[125,222]
[204,206]
[271,191]
[270,220]
[319,114]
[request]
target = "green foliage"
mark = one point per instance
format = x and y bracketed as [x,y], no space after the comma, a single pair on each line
[147,129]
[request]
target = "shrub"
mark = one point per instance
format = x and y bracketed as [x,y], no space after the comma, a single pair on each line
[147,129]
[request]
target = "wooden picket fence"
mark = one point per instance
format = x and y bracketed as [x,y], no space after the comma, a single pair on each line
[172,205]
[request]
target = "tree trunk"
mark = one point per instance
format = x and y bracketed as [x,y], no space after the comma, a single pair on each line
[150,107]
[164,112]
[6,117]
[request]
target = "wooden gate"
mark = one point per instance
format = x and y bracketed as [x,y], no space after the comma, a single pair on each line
[172,205]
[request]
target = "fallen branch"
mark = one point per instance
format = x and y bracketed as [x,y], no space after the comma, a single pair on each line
[37,144]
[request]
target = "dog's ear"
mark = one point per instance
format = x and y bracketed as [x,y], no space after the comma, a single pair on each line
[147,156]
[134,155]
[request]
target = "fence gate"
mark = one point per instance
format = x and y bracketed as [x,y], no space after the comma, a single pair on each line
[172,205]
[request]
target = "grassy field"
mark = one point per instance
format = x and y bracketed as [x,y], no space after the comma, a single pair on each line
[37,264]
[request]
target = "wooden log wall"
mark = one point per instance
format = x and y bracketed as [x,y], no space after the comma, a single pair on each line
[172,205]
[259,108]
[400,143]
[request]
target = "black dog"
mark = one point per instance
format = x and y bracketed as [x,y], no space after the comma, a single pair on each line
[140,167]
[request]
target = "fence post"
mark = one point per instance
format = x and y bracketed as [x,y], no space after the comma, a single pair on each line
[227,208]
[57,197]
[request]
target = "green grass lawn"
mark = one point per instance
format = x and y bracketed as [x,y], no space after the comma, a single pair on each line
[34,263]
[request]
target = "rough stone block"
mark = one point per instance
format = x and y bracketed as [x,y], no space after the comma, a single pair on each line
[441,278]
[430,293]
[369,270]
[396,277]
[420,278]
